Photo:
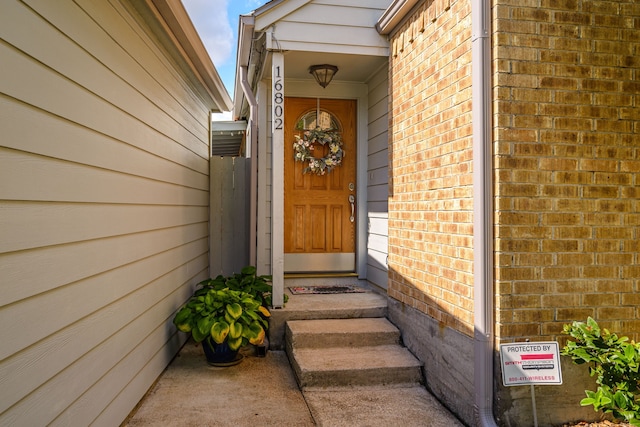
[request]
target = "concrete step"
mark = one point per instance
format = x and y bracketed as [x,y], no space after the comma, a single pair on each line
[354,366]
[335,306]
[331,306]
[323,333]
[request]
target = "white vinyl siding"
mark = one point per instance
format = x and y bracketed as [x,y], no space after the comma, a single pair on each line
[104,189]
[377,179]
[328,26]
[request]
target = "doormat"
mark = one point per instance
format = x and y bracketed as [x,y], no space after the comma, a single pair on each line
[342,289]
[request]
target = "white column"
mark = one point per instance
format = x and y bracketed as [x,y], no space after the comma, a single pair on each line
[277,198]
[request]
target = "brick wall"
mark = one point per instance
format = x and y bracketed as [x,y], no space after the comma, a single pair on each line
[430,201]
[567,158]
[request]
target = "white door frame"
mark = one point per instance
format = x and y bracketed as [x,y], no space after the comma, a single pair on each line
[310,89]
[359,92]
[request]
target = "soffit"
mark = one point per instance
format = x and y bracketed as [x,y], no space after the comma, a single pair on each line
[351,68]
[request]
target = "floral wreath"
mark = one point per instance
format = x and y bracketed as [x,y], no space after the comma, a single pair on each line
[304,146]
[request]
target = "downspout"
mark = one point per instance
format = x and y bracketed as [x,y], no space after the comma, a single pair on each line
[482,213]
[253,149]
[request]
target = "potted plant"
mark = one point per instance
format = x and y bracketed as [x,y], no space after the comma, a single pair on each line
[223,319]
[247,281]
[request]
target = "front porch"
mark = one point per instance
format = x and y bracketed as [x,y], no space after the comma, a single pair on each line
[306,223]
[264,391]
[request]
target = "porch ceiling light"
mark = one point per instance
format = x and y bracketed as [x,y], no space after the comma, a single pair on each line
[323,73]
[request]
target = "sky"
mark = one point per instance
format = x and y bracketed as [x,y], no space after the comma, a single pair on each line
[217,24]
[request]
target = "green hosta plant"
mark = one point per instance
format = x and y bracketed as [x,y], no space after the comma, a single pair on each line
[614,361]
[247,281]
[227,315]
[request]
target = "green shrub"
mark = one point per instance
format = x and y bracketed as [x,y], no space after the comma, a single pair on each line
[615,363]
[247,281]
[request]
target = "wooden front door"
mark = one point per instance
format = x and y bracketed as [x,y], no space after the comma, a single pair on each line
[320,210]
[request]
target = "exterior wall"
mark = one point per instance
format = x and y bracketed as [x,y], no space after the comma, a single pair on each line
[430,205]
[338,26]
[566,125]
[567,158]
[430,200]
[568,167]
[103,193]
[378,179]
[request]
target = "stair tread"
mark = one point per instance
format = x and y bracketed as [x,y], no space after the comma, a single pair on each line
[342,326]
[335,303]
[354,358]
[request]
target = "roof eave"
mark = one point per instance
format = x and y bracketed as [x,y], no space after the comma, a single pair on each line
[394,14]
[173,16]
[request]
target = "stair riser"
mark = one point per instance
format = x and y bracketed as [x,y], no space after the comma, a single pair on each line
[279,319]
[379,376]
[315,340]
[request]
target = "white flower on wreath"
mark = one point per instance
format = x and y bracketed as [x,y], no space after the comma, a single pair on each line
[304,145]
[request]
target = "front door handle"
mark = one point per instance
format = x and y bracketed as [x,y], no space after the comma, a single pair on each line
[352,200]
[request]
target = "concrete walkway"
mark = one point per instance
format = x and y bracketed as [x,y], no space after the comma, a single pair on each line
[263,392]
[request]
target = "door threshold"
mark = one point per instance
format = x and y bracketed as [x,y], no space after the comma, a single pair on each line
[316,275]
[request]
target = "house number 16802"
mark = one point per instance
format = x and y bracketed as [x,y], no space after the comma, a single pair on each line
[278,99]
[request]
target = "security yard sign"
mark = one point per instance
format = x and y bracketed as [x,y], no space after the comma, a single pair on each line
[530,363]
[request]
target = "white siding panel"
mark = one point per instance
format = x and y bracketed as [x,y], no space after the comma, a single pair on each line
[379,126]
[378,87]
[378,110]
[329,12]
[377,193]
[126,400]
[46,179]
[378,240]
[122,53]
[104,190]
[378,177]
[104,370]
[350,49]
[71,61]
[379,159]
[377,4]
[377,259]
[379,276]
[377,207]
[32,225]
[378,223]
[35,323]
[25,79]
[25,128]
[349,16]
[21,372]
[364,38]
[379,142]
[143,362]
[126,48]
[107,388]
[22,272]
